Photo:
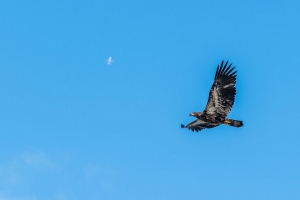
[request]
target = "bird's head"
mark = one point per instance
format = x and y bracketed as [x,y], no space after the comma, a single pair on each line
[194,114]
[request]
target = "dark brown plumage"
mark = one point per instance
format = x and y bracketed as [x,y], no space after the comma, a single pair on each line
[220,101]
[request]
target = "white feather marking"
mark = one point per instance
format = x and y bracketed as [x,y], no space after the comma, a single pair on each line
[228,85]
[216,97]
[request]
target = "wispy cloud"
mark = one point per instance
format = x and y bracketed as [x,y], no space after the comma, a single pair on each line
[33,175]
[11,171]
[20,171]
[59,197]
[37,159]
[10,197]
[103,176]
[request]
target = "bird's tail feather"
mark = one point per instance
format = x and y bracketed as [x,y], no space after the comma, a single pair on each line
[235,123]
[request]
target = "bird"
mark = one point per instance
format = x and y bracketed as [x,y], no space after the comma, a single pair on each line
[109,60]
[220,101]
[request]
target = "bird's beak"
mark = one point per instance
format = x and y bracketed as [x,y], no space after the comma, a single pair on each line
[190,114]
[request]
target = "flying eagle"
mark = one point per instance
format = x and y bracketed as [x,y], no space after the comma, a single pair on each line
[220,101]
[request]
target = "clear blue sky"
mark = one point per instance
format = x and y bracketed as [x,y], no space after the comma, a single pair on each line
[73,127]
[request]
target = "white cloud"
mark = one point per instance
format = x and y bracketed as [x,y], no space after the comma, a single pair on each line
[20,172]
[5,196]
[101,175]
[20,177]
[59,197]
[10,197]
[37,159]
[13,171]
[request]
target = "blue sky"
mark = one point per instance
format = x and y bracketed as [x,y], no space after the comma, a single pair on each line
[73,127]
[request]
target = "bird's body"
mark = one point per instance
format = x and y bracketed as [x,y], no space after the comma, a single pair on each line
[109,60]
[220,101]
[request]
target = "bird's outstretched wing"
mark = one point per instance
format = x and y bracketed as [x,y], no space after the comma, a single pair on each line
[198,125]
[222,92]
